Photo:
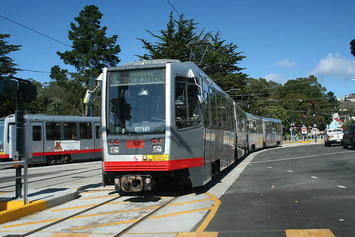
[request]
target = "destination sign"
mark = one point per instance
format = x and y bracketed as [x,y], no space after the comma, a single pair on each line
[130,77]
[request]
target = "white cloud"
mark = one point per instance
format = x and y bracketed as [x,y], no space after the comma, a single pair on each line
[273,77]
[335,65]
[286,63]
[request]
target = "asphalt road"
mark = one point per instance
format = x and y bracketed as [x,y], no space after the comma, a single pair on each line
[297,188]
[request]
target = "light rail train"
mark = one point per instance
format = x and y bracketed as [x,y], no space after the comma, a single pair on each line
[166,119]
[52,139]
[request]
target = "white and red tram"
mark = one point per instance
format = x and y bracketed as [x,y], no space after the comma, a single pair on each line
[166,119]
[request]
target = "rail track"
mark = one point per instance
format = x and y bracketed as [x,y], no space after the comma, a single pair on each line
[156,208]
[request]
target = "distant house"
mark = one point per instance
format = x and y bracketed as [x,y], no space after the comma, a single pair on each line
[346,106]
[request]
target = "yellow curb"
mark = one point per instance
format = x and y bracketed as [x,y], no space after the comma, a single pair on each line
[288,142]
[211,214]
[12,210]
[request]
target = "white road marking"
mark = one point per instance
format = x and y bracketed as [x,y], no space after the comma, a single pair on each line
[301,157]
[341,186]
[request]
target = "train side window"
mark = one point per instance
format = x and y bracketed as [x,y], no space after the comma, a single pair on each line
[206,110]
[53,131]
[70,131]
[193,103]
[97,132]
[180,104]
[214,109]
[36,133]
[85,130]
[187,104]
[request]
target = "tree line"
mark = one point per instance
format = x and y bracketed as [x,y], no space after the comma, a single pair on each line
[299,101]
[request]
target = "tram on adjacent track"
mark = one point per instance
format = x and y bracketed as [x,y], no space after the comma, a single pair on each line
[166,119]
[52,139]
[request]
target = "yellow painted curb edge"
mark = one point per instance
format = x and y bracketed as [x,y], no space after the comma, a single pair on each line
[211,214]
[21,211]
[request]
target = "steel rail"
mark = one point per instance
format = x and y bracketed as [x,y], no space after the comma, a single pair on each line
[125,230]
[63,219]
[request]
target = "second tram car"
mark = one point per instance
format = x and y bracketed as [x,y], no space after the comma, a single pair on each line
[166,119]
[272,132]
[255,132]
[53,139]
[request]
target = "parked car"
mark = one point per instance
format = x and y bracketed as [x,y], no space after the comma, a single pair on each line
[349,137]
[334,136]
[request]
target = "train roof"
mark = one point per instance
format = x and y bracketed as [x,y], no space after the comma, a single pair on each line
[64,118]
[144,64]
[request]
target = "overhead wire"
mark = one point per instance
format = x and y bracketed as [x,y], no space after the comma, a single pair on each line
[35,31]
[29,70]
[172,6]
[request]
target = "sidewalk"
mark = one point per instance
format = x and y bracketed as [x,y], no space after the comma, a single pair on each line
[39,199]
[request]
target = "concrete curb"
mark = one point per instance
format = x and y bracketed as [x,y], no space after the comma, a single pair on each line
[16,209]
[71,195]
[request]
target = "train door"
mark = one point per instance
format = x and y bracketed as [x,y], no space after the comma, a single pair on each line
[187,141]
[37,146]
[207,130]
[97,142]
[86,141]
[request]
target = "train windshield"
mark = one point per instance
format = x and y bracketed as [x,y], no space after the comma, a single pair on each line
[1,134]
[136,103]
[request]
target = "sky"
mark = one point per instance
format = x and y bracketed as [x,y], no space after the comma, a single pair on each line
[281,39]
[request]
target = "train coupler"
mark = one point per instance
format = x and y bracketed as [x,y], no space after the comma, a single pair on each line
[134,183]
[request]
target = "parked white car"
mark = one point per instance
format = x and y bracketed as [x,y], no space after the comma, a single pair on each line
[334,136]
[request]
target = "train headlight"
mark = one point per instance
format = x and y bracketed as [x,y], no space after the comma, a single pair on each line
[157,149]
[114,149]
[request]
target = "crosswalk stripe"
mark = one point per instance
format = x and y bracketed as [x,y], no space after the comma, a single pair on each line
[70,235]
[197,234]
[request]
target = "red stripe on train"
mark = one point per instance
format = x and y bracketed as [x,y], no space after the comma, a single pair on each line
[4,156]
[152,165]
[53,153]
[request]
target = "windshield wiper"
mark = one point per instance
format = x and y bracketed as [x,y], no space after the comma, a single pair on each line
[124,132]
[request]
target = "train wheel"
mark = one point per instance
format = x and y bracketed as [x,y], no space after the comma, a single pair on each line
[66,159]
[215,168]
[51,160]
